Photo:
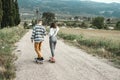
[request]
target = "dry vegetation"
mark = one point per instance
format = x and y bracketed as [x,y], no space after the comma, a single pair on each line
[87,33]
[104,43]
[8,36]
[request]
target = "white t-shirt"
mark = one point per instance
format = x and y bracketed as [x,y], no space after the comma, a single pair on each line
[53,31]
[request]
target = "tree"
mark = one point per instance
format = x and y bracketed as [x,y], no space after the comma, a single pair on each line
[17,15]
[108,21]
[117,27]
[4,21]
[33,22]
[84,25]
[10,13]
[98,22]
[48,17]
[1,12]
[7,19]
[25,25]
[76,18]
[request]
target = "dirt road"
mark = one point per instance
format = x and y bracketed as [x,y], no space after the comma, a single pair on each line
[71,63]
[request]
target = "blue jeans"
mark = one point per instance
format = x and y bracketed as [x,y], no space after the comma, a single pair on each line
[52,45]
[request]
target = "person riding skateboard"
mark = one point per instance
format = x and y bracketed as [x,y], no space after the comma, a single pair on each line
[53,40]
[38,34]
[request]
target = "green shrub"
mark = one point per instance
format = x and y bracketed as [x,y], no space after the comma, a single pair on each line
[8,37]
[70,36]
[117,27]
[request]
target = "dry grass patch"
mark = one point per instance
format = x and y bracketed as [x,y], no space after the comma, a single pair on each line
[104,43]
[8,37]
[87,33]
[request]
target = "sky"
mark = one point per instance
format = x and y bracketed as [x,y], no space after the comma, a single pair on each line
[107,1]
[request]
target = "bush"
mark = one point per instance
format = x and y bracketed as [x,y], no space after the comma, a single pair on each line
[8,37]
[117,25]
[84,25]
[26,25]
[98,22]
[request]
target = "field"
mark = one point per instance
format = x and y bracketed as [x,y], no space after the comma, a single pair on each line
[103,43]
[87,33]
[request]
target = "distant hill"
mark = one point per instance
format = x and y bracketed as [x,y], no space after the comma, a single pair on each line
[71,7]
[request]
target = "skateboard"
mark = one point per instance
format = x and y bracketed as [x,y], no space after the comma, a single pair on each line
[38,61]
[51,61]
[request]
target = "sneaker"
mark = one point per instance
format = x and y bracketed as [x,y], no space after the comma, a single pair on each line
[52,60]
[41,58]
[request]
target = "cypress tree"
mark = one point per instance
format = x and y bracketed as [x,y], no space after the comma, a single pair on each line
[11,13]
[17,15]
[1,12]
[5,7]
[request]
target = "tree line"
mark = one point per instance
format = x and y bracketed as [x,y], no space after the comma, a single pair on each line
[9,13]
[99,23]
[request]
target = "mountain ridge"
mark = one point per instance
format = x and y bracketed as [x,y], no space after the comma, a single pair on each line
[70,7]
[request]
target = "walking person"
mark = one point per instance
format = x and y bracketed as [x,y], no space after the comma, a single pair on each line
[53,40]
[38,34]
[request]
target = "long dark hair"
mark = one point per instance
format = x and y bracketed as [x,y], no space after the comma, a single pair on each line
[53,25]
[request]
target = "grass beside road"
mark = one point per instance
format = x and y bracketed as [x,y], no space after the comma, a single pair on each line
[8,37]
[103,43]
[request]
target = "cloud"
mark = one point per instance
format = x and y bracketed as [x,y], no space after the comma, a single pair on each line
[107,1]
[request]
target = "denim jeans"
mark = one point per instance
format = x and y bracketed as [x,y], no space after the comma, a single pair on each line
[52,45]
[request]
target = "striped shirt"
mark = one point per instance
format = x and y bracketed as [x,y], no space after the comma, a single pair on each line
[38,33]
